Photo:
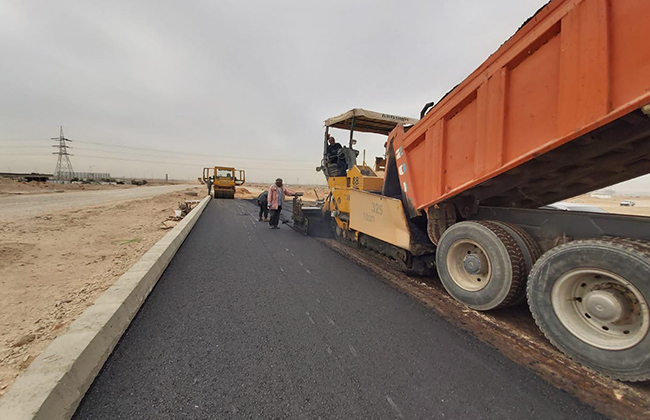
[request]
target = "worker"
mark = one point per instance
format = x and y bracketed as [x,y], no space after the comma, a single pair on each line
[276,195]
[262,202]
[335,155]
[209,182]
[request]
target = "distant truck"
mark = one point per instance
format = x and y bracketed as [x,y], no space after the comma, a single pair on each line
[224,180]
[559,110]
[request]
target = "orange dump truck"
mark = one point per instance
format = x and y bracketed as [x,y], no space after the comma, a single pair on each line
[559,110]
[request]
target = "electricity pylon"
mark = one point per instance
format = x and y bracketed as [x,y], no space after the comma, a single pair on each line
[64,169]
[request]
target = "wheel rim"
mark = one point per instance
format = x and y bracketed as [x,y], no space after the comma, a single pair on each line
[601,308]
[469,265]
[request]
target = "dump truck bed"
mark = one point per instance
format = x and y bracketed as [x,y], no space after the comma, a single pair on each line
[553,113]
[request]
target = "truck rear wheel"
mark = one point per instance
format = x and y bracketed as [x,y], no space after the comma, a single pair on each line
[527,244]
[590,299]
[529,248]
[481,265]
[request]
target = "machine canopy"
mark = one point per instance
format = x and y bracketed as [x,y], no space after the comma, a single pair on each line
[368,121]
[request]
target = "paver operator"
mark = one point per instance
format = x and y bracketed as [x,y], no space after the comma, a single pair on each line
[335,155]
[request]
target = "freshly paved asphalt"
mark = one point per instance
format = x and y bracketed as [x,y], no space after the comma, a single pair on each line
[253,323]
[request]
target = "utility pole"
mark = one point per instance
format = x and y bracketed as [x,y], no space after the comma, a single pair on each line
[64,169]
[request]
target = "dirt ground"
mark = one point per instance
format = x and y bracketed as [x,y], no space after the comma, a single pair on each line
[9,187]
[54,266]
[612,204]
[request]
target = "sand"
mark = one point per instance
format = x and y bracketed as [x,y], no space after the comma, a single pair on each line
[54,266]
[612,204]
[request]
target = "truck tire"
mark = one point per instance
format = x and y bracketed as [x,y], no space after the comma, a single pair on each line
[529,248]
[527,244]
[481,265]
[590,298]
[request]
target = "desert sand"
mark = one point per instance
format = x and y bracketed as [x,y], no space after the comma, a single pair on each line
[612,204]
[54,266]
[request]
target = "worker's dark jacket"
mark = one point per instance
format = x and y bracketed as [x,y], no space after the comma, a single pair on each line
[262,198]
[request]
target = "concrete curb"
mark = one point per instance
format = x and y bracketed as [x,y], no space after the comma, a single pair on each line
[54,384]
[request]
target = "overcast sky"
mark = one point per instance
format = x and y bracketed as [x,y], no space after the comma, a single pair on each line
[245,83]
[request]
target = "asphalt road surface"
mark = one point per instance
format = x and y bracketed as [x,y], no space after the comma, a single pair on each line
[253,323]
[15,207]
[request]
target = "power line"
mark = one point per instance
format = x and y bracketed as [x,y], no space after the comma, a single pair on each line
[176,162]
[187,164]
[202,155]
[23,139]
[175,153]
[28,147]
[26,154]
[64,155]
